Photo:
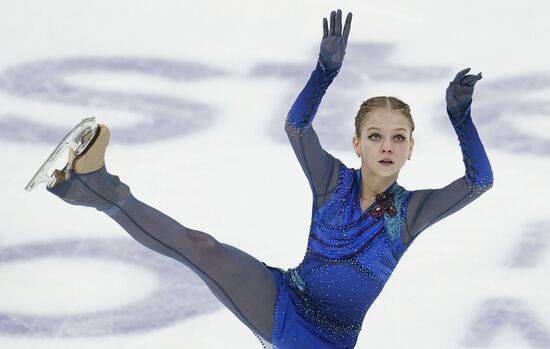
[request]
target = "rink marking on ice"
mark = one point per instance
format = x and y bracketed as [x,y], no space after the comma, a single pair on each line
[180,294]
[496,315]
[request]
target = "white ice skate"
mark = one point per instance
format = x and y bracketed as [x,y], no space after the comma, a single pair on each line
[76,140]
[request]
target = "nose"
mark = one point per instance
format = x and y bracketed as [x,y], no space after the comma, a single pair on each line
[387,146]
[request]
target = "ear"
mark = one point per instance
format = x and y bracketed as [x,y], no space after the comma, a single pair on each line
[411,147]
[356,144]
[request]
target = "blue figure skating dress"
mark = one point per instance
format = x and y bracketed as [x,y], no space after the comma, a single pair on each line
[351,253]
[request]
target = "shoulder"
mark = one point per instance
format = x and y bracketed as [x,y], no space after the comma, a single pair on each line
[400,193]
[400,197]
[393,223]
[346,177]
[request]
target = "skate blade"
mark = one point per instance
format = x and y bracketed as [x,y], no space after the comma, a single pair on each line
[77,139]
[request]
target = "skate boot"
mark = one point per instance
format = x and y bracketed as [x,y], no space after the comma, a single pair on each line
[85,181]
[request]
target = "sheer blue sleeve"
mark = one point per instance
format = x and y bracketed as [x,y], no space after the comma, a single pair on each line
[429,206]
[320,167]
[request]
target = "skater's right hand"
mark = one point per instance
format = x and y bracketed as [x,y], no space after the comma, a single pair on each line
[333,45]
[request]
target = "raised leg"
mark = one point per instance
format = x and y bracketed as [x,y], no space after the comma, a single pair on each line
[241,282]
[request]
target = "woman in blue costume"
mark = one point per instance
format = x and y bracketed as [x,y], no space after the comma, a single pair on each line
[362,222]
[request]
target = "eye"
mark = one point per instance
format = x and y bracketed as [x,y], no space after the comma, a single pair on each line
[376,136]
[402,137]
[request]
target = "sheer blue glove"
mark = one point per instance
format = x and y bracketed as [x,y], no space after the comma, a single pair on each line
[459,94]
[333,45]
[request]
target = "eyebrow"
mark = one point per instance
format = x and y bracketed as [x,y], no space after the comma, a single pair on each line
[376,128]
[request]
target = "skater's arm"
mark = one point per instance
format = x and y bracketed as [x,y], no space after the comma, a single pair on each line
[429,206]
[320,168]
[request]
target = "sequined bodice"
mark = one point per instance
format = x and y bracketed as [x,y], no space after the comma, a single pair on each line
[350,256]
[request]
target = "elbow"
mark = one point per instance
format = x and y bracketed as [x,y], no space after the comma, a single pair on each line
[288,129]
[477,190]
[293,131]
[480,184]
[483,178]
[483,185]
[487,181]
[289,125]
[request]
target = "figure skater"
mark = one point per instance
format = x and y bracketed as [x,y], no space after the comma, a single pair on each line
[362,219]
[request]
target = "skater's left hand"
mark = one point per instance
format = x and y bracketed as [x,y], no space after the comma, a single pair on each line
[460,91]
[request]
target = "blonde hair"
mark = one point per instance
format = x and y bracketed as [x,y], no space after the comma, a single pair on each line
[381,102]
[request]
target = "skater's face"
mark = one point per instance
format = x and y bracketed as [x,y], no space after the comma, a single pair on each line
[384,134]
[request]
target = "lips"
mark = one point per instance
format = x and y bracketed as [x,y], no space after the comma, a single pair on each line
[386,161]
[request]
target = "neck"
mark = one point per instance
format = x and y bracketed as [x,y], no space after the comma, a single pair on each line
[372,184]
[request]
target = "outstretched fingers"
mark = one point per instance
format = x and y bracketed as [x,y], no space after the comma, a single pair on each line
[470,80]
[333,25]
[347,27]
[332,22]
[460,75]
[338,25]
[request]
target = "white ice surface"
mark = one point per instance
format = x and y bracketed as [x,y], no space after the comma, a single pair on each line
[237,182]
